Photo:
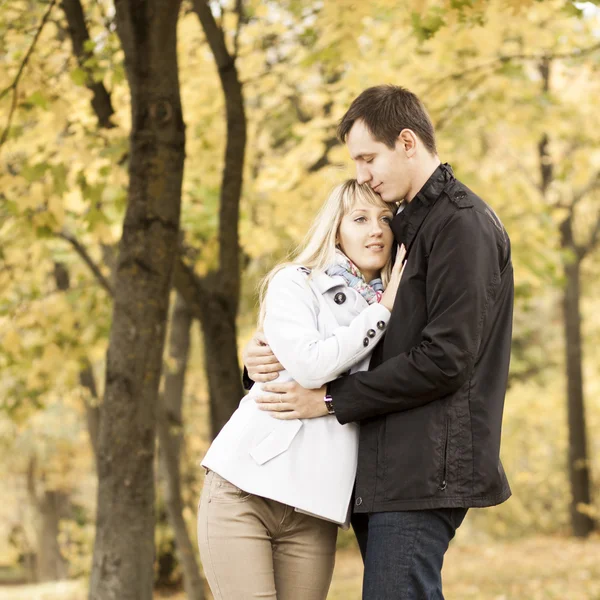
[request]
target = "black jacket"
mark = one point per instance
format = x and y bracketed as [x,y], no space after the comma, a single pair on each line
[430,407]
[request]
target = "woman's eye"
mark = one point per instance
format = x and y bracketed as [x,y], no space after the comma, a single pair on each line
[387,220]
[360,220]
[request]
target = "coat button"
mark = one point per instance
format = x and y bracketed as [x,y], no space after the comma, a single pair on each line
[381,325]
[366,342]
[358,501]
[339,298]
[371,333]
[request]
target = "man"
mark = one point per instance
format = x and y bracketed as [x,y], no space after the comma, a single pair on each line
[430,407]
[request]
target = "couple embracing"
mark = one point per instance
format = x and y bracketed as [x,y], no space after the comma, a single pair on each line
[377,388]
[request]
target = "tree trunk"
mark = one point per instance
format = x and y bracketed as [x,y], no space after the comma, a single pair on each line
[50,564]
[122,566]
[579,470]
[170,432]
[220,305]
[217,316]
[92,409]
[221,360]
[86,373]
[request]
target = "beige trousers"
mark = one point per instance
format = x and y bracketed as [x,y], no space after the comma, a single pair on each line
[252,547]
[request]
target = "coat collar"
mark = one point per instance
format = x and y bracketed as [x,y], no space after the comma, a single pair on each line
[324,282]
[407,223]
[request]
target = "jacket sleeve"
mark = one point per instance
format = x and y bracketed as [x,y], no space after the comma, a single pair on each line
[291,328]
[462,278]
[246,381]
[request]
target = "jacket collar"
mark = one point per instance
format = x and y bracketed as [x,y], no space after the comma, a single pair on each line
[407,223]
[324,282]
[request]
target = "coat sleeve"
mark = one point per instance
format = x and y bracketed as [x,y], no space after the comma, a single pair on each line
[462,278]
[291,328]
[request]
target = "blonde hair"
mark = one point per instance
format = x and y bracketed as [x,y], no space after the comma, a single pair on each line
[317,250]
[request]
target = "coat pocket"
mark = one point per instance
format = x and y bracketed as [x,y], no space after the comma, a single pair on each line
[444,470]
[276,442]
[413,453]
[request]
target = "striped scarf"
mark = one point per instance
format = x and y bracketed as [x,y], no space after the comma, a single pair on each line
[345,268]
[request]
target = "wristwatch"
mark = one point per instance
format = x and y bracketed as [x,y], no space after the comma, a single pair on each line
[329,401]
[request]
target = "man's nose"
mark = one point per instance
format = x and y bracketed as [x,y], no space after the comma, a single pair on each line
[362,174]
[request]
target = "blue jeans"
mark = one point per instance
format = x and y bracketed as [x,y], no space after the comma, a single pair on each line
[403,552]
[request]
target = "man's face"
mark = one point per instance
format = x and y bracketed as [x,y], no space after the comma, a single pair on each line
[387,171]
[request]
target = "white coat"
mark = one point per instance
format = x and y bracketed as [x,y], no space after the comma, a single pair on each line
[319,328]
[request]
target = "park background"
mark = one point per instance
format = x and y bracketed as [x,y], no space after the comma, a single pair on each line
[157,157]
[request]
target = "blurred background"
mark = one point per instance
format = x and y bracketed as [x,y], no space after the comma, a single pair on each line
[512,87]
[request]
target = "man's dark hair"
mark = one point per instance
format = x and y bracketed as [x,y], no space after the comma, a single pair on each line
[386,110]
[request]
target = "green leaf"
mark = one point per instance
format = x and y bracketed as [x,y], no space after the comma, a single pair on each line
[79,76]
[426,26]
[38,99]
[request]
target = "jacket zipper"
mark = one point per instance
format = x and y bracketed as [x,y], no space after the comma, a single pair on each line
[444,484]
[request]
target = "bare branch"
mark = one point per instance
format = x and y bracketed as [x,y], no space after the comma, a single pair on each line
[92,408]
[503,59]
[573,147]
[450,110]
[80,36]
[518,165]
[31,486]
[190,287]
[232,179]
[323,161]
[594,239]
[84,254]
[590,186]
[239,10]
[214,35]
[14,85]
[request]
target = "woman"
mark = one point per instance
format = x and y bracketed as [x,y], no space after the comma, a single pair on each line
[277,490]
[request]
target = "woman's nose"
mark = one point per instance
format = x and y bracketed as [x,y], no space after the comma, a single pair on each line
[376,229]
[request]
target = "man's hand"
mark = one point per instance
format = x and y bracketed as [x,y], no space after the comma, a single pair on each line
[292,401]
[261,363]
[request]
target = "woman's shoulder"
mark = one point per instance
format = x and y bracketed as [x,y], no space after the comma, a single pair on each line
[301,278]
[292,273]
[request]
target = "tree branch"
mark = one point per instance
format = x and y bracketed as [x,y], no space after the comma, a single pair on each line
[448,112]
[31,487]
[190,287]
[582,250]
[86,373]
[503,59]
[239,10]
[233,171]
[14,85]
[214,35]
[92,408]
[525,172]
[83,253]
[594,239]
[591,185]
[78,31]
[323,161]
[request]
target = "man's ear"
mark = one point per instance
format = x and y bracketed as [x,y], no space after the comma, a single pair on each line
[408,142]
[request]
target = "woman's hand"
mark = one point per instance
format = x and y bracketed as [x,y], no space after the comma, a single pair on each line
[389,296]
[261,363]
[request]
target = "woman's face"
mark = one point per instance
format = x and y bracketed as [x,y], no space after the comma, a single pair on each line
[366,238]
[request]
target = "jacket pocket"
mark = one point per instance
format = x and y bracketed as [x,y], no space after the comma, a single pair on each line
[444,470]
[276,442]
[411,461]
